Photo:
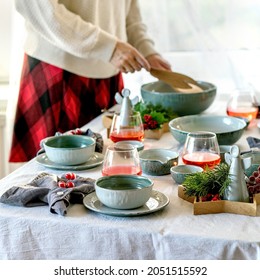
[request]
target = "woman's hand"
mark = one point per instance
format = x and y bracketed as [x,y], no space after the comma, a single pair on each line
[158,62]
[127,59]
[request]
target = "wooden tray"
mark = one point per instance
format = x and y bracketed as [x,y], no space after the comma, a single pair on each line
[220,206]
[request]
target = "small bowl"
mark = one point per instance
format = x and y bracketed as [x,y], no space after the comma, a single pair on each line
[228,129]
[158,161]
[180,172]
[123,191]
[139,145]
[69,149]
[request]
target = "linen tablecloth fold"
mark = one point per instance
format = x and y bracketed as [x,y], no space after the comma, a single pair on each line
[44,189]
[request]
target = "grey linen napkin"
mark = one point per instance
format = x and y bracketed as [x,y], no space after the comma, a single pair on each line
[254,143]
[44,190]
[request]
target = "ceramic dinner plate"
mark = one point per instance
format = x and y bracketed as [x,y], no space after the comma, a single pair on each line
[156,202]
[95,160]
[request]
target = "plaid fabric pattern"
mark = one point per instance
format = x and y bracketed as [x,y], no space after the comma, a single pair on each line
[52,99]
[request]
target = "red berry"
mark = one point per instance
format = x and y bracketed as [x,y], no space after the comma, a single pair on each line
[209,196]
[78,131]
[70,176]
[251,189]
[257,188]
[147,118]
[145,126]
[70,184]
[255,174]
[215,197]
[153,124]
[62,184]
[251,179]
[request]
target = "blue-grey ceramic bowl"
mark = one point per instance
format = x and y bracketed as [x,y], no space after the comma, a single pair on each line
[180,172]
[139,145]
[160,93]
[123,191]
[157,162]
[228,129]
[69,149]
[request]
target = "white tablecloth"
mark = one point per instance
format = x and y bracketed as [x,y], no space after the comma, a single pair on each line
[173,233]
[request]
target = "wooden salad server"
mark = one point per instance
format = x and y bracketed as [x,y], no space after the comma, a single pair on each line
[179,82]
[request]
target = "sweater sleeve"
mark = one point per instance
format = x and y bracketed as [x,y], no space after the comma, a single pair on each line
[66,30]
[137,31]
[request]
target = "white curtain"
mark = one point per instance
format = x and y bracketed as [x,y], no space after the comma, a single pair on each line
[17,52]
[214,41]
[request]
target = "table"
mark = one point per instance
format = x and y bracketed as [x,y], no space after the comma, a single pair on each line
[173,233]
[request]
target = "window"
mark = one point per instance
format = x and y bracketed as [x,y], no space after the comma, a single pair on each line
[5,31]
[215,41]
[194,25]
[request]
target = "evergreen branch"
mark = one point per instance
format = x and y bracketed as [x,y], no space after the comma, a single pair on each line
[210,181]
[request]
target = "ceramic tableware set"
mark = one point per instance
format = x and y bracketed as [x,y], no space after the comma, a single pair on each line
[69,152]
[123,191]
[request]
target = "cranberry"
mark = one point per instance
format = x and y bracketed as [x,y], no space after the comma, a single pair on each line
[147,118]
[62,184]
[70,184]
[252,179]
[215,197]
[70,176]
[78,131]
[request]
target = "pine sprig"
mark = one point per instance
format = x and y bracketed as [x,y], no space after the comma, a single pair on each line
[211,181]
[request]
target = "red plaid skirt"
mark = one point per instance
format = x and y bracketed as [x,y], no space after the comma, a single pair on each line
[52,99]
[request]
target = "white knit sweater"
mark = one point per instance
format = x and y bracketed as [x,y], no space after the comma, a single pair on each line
[80,35]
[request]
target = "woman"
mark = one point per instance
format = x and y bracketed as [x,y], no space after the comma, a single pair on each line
[75,53]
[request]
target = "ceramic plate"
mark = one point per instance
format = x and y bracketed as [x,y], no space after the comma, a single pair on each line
[94,161]
[156,202]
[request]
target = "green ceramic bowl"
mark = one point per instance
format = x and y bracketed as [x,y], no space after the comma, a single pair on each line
[180,172]
[228,129]
[69,149]
[160,93]
[123,191]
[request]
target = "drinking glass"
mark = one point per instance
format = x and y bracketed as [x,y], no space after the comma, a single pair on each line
[121,158]
[243,104]
[127,127]
[201,148]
